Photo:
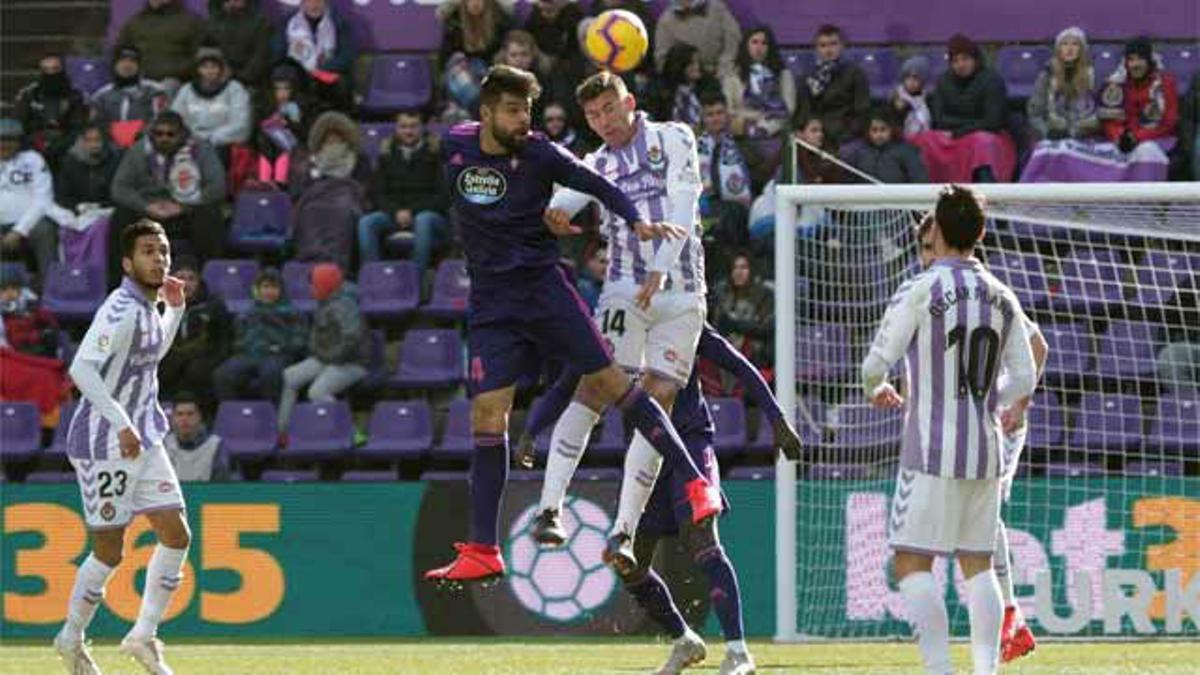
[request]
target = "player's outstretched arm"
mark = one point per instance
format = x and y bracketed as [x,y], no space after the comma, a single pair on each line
[580,177]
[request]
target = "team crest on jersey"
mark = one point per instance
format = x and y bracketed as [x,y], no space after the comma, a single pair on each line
[165,486]
[108,511]
[482,185]
[1113,95]
[103,343]
[654,155]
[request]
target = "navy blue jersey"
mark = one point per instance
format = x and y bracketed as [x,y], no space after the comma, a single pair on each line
[498,201]
[691,413]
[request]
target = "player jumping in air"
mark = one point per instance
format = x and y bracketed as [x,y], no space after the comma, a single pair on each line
[967,351]
[652,307]
[523,310]
[666,514]
[114,443]
[1016,639]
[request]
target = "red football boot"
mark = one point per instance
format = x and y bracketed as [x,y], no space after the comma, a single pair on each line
[1016,640]
[475,563]
[704,498]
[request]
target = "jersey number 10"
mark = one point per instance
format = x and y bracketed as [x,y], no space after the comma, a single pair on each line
[977,356]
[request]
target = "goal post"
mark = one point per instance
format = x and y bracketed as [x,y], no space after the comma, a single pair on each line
[1107,514]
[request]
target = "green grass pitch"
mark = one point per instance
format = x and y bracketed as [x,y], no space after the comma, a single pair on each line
[439,656]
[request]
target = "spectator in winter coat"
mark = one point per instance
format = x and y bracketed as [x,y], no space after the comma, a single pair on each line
[553,23]
[51,110]
[683,83]
[1063,103]
[335,346]
[175,179]
[196,454]
[243,34]
[744,311]
[203,340]
[26,193]
[1139,102]
[836,91]
[333,149]
[472,31]
[909,99]
[887,157]
[85,179]
[409,194]
[556,124]
[705,24]
[28,328]
[215,107]
[282,119]
[269,337]
[725,201]
[167,35]
[130,102]
[969,141]
[325,46]
[760,91]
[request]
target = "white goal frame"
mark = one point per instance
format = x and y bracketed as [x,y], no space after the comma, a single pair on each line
[788,199]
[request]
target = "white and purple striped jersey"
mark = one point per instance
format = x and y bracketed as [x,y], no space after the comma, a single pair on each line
[116,369]
[659,170]
[966,343]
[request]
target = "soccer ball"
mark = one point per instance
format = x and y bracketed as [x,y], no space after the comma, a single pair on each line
[562,584]
[616,40]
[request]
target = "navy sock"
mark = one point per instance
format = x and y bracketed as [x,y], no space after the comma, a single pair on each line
[724,593]
[551,405]
[648,417]
[653,596]
[489,473]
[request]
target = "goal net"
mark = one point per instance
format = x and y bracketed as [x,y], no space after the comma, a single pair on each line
[1104,515]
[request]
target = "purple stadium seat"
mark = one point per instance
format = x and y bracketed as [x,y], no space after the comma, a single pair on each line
[87,74]
[290,476]
[232,281]
[610,440]
[49,477]
[445,476]
[1182,59]
[751,473]
[20,431]
[399,430]
[430,358]
[368,476]
[73,292]
[1108,422]
[1073,470]
[376,362]
[451,287]
[1090,281]
[863,428]
[262,221]
[1047,425]
[1161,274]
[457,442]
[1128,349]
[729,418]
[373,136]
[1151,469]
[1022,273]
[800,61]
[388,289]
[319,431]
[838,472]
[1019,66]
[881,66]
[1176,424]
[1070,349]
[14,271]
[297,283]
[1106,58]
[526,475]
[822,352]
[248,429]
[939,62]
[58,446]
[398,82]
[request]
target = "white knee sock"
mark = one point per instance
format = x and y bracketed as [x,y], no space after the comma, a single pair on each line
[567,443]
[85,596]
[642,463]
[163,576]
[1002,562]
[927,613]
[986,611]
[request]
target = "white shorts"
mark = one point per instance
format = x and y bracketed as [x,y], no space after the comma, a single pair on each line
[934,515]
[116,490]
[661,340]
[1014,443]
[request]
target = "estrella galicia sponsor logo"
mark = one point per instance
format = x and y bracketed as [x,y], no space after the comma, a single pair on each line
[482,185]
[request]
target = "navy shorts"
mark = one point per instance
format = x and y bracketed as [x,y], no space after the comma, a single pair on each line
[668,507]
[514,329]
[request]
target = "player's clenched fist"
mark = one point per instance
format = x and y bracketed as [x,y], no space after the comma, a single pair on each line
[647,231]
[560,223]
[885,396]
[172,291]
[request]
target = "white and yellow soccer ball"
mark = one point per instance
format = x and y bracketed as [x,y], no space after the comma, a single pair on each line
[616,40]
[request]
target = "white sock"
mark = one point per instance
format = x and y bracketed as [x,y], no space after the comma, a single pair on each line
[986,611]
[642,463]
[736,646]
[1001,562]
[927,613]
[85,596]
[567,443]
[163,576]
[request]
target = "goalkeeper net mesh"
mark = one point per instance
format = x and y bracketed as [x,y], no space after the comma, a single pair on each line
[1104,515]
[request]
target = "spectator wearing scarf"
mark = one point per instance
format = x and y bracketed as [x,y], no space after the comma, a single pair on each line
[761,92]
[835,91]
[215,107]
